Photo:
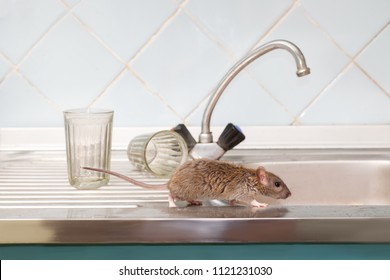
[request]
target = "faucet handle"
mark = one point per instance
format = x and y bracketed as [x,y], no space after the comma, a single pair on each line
[230,137]
[182,130]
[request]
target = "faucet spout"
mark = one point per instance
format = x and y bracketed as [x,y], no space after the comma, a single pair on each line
[302,70]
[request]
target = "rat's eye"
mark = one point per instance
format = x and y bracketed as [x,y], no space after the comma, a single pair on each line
[277,184]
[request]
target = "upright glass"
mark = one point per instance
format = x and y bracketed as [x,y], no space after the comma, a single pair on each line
[88,143]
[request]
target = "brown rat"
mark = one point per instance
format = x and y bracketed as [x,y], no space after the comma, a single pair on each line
[204,179]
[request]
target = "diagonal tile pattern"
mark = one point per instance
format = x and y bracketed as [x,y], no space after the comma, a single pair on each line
[156,61]
[351,23]
[244,102]
[4,68]
[176,69]
[23,23]
[126,25]
[246,22]
[67,70]
[376,60]
[323,57]
[352,98]
[129,99]
[22,106]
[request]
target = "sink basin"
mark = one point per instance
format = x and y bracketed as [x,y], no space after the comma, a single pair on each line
[325,177]
[333,182]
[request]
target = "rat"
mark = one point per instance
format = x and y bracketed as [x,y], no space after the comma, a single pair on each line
[204,179]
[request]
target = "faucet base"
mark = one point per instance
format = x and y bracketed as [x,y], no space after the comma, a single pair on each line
[206,137]
[207,150]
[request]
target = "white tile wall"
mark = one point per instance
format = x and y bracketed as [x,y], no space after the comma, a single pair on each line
[182,65]
[155,62]
[124,25]
[4,68]
[352,98]
[69,66]
[376,61]
[23,23]
[238,25]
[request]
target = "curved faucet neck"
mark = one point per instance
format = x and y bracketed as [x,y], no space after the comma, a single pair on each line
[302,70]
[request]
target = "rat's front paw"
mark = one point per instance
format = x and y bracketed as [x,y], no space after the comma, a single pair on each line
[257,204]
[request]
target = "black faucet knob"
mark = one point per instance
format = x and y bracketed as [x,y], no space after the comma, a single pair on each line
[230,137]
[182,130]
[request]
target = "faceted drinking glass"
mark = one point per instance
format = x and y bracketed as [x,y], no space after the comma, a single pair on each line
[88,143]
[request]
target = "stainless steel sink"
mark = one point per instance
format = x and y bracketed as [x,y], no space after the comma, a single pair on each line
[333,182]
[337,196]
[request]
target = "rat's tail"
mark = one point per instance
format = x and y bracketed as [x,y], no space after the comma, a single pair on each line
[128,179]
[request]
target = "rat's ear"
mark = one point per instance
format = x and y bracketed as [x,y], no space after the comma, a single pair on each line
[262,175]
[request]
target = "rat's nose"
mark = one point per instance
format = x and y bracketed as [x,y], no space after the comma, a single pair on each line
[288,194]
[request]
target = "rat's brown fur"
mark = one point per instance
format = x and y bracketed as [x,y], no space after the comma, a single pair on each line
[221,180]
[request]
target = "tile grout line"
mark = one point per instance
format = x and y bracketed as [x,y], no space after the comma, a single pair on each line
[277,23]
[232,56]
[353,57]
[10,71]
[321,93]
[219,44]
[210,35]
[148,42]
[70,5]
[372,79]
[90,31]
[251,75]
[40,93]
[162,27]
[105,46]
[69,12]
[312,20]
[362,68]
[126,64]
[6,58]
[136,55]
[342,71]
[109,86]
[369,42]
[15,67]
[154,93]
[197,106]
[97,38]
[51,28]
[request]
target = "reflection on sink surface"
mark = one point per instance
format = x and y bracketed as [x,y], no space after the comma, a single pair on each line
[339,182]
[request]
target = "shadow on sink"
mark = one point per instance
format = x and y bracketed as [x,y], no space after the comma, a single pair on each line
[208,210]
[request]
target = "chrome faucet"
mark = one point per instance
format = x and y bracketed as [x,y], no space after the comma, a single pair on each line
[205,148]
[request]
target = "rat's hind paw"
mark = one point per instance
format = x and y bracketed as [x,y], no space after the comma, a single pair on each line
[171,200]
[194,203]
